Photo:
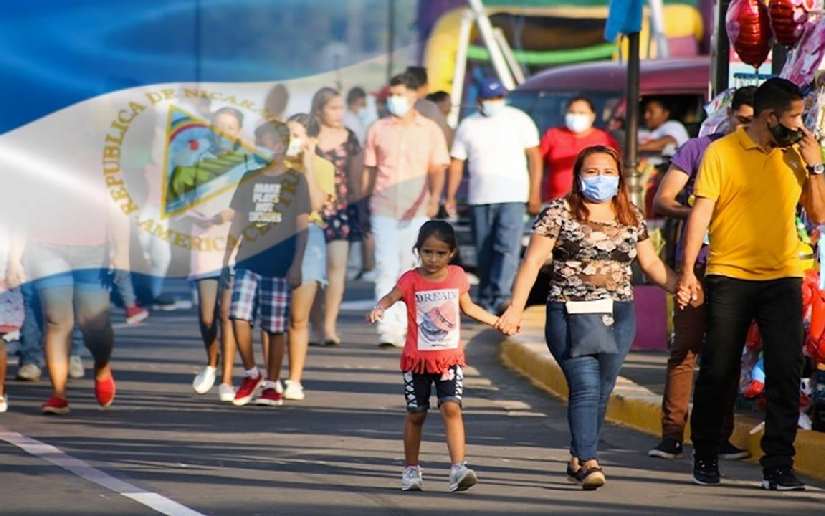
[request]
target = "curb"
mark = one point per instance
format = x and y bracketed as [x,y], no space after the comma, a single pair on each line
[635,406]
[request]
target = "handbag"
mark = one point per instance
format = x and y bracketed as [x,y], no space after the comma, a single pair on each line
[590,326]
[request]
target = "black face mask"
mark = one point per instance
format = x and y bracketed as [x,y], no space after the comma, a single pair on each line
[784,137]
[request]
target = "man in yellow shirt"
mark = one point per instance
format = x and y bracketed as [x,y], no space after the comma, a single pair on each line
[749,185]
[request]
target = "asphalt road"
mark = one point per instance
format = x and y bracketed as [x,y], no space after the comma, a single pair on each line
[338,452]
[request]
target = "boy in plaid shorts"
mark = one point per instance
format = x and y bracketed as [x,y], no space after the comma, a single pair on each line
[269,227]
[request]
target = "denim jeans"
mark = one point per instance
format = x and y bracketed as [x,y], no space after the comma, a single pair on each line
[31,334]
[776,306]
[497,230]
[590,378]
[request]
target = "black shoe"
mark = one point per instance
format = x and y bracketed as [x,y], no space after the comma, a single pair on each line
[781,479]
[706,471]
[728,451]
[165,303]
[331,343]
[669,448]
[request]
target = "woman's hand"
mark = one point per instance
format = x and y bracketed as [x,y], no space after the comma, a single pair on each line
[510,321]
[376,315]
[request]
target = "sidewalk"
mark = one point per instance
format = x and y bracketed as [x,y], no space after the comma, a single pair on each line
[636,401]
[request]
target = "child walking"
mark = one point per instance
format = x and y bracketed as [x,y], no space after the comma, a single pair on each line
[435,293]
[270,214]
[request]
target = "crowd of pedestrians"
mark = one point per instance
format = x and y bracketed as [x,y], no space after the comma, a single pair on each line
[348,172]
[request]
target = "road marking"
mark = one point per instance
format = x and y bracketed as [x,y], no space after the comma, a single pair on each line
[82,469]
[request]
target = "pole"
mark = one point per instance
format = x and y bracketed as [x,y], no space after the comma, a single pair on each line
[632,121]
[486,30]
[657,29]
[720,51]
[390,39]
[457,92]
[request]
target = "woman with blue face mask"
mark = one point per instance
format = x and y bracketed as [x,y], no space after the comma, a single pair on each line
[561,145]
[592,235]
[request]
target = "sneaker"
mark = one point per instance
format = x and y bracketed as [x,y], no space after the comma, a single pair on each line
[728,451]
[136,315]
[28,373]
[462,478]
[668,448]
[55,405]
[226,392]
[165,303]
[781,479]
[573,468]
[247,390]
[4,403]
[591,478]
[204,380]
[273,395]
[411,479]
[76,370]
[105,391]
[294,391]
[706,471]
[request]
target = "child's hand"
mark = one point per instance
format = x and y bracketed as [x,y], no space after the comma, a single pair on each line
[376,315]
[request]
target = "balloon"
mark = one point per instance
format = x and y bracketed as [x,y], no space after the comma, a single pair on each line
[749,31]
[788,19]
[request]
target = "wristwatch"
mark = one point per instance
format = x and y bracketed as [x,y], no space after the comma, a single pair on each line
[816,169]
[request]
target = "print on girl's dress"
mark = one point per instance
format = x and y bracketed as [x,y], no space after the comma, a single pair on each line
[438,319]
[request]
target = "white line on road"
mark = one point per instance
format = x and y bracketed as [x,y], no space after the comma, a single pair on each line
[80,468]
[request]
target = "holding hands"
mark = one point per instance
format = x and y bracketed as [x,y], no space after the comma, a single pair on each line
[510,321]
[689,291]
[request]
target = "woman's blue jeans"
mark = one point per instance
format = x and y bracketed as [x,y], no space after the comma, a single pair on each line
[590,378]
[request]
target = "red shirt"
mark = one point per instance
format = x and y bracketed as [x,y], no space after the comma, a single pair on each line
[559,148]
[433,320]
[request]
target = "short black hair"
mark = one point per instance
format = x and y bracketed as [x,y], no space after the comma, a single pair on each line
[419,73]
[405,79]
[355,93]
[438,96]
[775,94]
[279,129]
[441,230]
[659,100]
[584,99]
[743,97]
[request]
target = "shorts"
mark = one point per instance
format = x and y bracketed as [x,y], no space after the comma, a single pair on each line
[314,266]
[418,387]
[82,267]
[266,295]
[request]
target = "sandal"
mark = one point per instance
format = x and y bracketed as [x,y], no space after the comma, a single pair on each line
[591,478]
[573,471]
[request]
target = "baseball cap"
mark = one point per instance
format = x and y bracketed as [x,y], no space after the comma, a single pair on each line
[491,87]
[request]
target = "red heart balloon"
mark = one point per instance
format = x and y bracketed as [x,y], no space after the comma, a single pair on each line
[788,19]
[749,30]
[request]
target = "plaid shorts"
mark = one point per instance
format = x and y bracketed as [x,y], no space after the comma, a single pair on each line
[252,293]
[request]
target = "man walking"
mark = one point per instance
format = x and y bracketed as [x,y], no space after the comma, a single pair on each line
[749,185]
[673,199]
[501,144]
[405,159]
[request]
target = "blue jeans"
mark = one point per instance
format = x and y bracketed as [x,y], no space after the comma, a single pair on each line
[497,230]
[590,378]
[31,334]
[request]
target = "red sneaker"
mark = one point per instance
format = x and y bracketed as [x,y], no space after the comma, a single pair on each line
[105,391]
[247,390]
[136,315]
[273,395]
[55,405]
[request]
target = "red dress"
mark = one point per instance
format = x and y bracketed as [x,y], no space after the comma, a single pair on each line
[559,148]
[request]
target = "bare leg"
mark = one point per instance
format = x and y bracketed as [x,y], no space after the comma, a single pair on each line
[337,274]
[58,315]
[243,334]
[92,309]
[207,310]
[316,319]
[3,363]
[454,427]
[227,335]
[302,298]
[413,425]
[277,347]
[367,252]
[265,346]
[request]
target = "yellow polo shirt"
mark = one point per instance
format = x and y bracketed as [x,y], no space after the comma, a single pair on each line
[752,231]
[325,175]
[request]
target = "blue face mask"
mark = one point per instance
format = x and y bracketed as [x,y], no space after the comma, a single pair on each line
[600,188]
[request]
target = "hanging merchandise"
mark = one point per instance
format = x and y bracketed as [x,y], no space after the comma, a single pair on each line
[717,120]
[749,30]
[804,59]
[788,19]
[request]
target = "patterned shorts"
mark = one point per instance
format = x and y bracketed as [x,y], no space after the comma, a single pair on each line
[449,386]
[252,293]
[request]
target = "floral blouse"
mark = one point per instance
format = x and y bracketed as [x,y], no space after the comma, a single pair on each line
[591,260]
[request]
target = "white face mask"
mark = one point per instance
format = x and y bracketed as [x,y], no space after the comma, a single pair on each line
[398,105]
[578,122]
[493,107]
[296,147]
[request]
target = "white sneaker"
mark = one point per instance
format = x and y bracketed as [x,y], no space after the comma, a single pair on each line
[204,380]
[76,370]
[293,391]
[462,478]
[411,479]
[226,392]
[29,373]
[4,403]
